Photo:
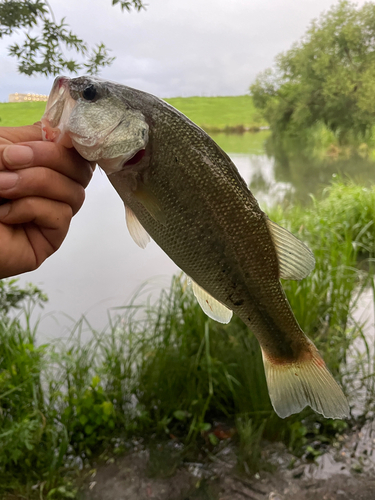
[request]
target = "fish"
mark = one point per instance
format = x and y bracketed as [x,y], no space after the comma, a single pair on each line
[183,191]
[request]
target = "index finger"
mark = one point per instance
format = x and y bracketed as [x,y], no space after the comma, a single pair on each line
[10,135]
[47,154]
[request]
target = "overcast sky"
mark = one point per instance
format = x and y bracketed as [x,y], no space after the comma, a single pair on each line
[179,47]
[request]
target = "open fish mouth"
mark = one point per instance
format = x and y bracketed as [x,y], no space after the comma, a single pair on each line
[58,110]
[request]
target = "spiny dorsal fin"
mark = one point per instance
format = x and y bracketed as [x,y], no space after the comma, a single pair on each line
[136,230]
[292,386]
[296,260]
[150,202]
[212,307]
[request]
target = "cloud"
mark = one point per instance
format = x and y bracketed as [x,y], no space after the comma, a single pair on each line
[180,48]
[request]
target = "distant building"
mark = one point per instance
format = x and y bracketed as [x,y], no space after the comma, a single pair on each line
[16,97]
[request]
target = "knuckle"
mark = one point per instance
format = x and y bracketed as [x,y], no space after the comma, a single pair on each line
[79,199]
[29,204]
[67,213]
[33,181]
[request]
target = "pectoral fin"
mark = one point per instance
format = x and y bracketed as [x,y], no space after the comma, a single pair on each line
[136,230]
[150,202]
[212,307]
[296,260]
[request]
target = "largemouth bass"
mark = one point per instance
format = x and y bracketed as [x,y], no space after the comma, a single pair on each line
[182,190]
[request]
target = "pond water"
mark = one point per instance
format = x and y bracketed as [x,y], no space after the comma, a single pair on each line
[99,267]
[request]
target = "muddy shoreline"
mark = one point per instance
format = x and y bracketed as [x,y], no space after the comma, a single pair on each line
[344,471]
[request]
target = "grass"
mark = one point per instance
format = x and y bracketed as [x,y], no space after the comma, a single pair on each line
[165,370]
[210,113]
[241,143]
[218,113]
[15,114]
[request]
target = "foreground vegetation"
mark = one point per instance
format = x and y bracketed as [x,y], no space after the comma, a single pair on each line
[214,114]
[168,372]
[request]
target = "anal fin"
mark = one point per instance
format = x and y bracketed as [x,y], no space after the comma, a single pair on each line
[292,386]
[212,307]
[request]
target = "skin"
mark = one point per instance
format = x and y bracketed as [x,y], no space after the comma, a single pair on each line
[42,185]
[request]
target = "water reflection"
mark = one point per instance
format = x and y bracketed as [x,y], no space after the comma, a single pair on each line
[259,174]
[310,174]
[100,267]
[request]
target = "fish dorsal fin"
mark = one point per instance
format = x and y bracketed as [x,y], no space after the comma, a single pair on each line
[136,230]
[144,195]
[296,260]
[212,307]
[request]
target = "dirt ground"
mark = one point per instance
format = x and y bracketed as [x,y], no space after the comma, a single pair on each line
[345,472]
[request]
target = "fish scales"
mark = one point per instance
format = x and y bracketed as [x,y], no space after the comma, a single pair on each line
[184,191]
[226,223]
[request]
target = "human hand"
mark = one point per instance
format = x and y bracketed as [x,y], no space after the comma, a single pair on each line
[41,188]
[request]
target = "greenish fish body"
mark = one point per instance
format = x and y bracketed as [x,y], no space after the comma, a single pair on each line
[182,190]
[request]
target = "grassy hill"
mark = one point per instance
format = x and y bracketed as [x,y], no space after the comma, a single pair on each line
[14,114]
[219,113]
[210,113]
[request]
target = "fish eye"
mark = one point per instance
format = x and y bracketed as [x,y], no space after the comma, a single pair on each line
[89,93]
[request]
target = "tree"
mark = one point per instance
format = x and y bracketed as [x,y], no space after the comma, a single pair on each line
[327,77]
[42,49]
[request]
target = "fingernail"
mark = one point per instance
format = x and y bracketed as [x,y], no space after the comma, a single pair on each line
[8,180]
[4,210]
[18,155]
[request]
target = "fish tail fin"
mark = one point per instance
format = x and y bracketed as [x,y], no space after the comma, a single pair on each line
[292,386]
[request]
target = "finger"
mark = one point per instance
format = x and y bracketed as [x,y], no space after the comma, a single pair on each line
[52,216]
[42,182]
[47,154]
[45,224]
[27,133]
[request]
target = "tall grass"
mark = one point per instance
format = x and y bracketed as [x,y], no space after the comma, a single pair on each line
[166,370]
[340,228]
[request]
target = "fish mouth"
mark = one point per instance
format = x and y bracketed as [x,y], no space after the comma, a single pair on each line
[59,106]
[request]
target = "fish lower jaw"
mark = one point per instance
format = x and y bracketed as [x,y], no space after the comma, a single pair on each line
[54,134]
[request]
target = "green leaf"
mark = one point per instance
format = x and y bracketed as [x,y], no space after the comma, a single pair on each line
[204,427]
[181,414]
[83,419]
[89,429]
[107,408]
[213,439]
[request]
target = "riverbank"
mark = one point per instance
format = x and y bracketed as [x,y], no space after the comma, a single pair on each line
[165,372]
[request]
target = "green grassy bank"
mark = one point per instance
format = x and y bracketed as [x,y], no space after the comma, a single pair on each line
[211,113]
[167,372]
